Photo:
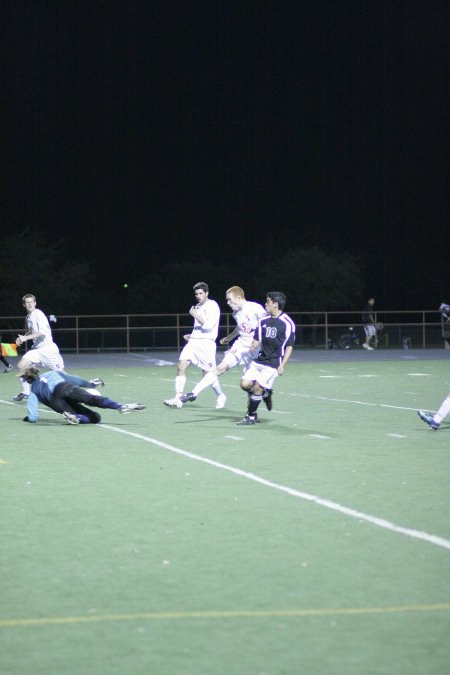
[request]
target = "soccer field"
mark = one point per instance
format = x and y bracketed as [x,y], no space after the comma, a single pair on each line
[173,542]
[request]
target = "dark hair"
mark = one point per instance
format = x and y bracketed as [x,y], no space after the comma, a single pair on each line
[279,297]
[201,286]
[30,374]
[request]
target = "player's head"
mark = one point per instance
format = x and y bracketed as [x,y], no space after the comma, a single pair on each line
[235,296]
[29,302]
[201,291]
[201,286]
[371,301]
[277,297]
[30,374]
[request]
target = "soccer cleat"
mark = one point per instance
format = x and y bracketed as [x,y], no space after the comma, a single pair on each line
[267,398]
[71,418]
[246,421]
[428,418]
[127,408]
[20,397]
[221,400]
[175,402]
[97,382]
[184,398]
[8,368]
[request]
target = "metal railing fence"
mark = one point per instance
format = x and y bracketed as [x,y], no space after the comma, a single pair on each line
[151,332]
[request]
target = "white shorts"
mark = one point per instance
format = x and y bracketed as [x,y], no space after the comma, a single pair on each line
[48,356]
[201,353]
[239,354]
[370,330]
[263,375]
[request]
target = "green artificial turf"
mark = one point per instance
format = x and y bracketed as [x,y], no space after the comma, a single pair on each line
[125,552]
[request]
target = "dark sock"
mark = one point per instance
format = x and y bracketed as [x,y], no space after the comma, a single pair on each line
[83,419]
[255,400]
[109,403]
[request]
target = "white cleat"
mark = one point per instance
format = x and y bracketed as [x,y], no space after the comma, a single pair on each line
[131,407]
[221,400]
[71,418]
[173,402]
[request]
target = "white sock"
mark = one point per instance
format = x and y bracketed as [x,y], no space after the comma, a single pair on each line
[443,411]
[180,381]
[216,386]
[207,381]
[26,387]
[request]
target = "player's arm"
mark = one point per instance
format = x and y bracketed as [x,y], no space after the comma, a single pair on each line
[32,408]
[194,313]
[287,356]
[43,327]
[212,316]
[28,336]
[227,339]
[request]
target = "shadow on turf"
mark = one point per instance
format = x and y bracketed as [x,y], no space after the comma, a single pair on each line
[41,423]
[264,423]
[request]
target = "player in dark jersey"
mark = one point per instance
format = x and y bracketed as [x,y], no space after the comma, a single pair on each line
[275,337]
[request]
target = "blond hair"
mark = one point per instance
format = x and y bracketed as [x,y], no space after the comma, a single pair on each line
[237,290]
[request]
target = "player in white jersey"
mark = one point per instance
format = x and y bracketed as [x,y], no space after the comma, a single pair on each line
[247,315]
[200,349]
[43,351]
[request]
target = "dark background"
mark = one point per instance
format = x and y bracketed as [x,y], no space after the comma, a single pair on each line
[141,133]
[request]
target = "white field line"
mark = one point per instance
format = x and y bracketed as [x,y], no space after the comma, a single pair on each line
[374,520]
[376,405]
[347,400]
[334,506]
[325,398]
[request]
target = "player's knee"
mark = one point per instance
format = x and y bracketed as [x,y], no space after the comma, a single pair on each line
[246,385]
[181,368]
[24,363]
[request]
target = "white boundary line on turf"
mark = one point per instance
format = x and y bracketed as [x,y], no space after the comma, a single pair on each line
[347,400]
[374,520]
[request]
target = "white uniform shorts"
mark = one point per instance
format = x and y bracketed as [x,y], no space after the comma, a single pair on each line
[47,356]
[370,330]
[263,375]
[201,353]
[239,354]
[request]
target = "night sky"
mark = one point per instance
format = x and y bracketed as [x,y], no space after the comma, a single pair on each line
[228,131]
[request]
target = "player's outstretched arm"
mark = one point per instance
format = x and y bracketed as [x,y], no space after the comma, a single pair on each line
[32,408]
